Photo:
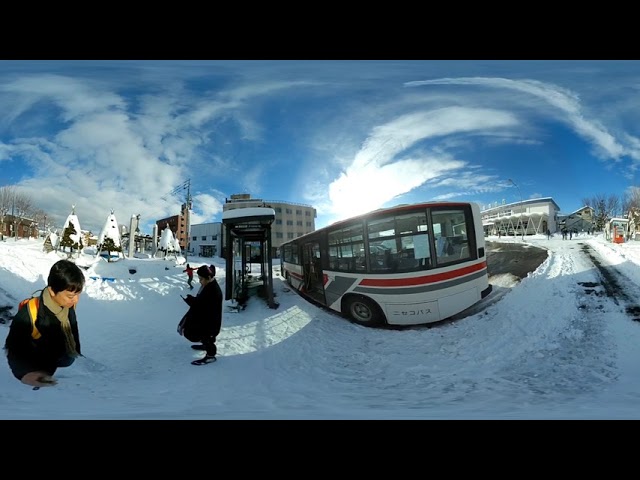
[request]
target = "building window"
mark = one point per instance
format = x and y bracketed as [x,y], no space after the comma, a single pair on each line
[309,224]
[289,211]
[278,210]
[204,237]
[278,221]
[307,213]
[298,212]
[289,222]
[279,235]
[299,223]
[194,238]
[290,235]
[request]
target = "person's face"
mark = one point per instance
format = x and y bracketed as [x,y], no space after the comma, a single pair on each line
[202,280]
[65,298]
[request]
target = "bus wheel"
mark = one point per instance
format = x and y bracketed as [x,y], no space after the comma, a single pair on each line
[364,311]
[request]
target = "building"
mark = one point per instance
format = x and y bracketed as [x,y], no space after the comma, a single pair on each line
[14,226]
[528,217]
[206,240]
[179,225]
[292,219]
[582,220]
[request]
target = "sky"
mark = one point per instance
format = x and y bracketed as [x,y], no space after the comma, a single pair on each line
[344,136]
[549,346]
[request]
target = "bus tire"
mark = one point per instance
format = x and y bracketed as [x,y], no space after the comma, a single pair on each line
[364,311]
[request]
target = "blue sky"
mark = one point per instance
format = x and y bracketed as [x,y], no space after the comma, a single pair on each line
[344,136]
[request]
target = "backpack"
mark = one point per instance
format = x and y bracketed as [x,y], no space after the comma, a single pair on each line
[32,304]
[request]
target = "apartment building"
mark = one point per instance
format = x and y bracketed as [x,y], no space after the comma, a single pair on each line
[292,219]
[178,224]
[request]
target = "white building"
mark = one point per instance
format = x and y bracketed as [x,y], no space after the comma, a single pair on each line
[528,217]
[206,239]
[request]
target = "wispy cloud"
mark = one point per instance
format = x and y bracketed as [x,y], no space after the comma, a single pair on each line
[392,161]
[567,102]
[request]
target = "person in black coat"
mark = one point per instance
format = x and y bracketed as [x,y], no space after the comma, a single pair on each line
[33,361]
[204,318]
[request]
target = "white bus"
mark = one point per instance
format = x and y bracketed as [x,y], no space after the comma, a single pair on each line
[405,265]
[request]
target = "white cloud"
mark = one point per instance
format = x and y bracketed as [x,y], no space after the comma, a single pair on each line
[379,173]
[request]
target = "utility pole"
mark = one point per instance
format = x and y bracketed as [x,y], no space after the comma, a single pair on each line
[13,218]
[188,220]
[185,211]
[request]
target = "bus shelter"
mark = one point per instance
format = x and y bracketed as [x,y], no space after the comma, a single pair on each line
[248,240]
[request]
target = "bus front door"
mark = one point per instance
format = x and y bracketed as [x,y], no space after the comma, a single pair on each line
[312,271]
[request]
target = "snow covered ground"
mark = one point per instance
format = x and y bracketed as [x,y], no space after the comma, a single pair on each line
[554,346]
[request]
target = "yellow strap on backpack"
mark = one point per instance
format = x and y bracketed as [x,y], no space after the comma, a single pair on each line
[32,304]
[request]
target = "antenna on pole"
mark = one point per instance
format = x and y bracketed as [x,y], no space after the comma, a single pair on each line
[185,210]
[188,220]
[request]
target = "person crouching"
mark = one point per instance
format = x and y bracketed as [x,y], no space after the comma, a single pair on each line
[204,318]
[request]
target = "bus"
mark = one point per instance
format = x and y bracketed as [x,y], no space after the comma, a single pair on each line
[405,265]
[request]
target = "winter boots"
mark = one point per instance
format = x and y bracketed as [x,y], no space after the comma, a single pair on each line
[204,360]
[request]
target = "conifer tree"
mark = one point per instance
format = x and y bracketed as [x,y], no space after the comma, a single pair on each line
[67,241]
[110,246]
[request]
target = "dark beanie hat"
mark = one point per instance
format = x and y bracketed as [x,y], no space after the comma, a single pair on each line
[204,272]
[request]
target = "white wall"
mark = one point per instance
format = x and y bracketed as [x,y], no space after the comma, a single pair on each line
[210,231]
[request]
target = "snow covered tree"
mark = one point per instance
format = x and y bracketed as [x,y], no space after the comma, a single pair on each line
[71,239]
[109,239]
[110,246]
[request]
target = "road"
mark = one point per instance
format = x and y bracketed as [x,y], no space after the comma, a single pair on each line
[517,259]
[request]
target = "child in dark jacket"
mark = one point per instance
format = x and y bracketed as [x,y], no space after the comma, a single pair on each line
[33,361]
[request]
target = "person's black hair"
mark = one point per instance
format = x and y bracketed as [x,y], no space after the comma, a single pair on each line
[65,275]
[204,272]
[212,267]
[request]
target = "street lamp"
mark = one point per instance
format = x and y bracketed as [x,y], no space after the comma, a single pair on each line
[521,206]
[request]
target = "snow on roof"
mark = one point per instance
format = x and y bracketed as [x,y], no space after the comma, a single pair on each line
[249,212]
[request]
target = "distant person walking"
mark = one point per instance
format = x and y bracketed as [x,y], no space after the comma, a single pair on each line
[548,234]
[189,271]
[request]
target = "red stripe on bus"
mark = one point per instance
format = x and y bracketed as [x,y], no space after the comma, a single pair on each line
[406,282]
